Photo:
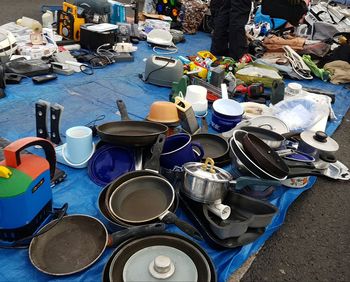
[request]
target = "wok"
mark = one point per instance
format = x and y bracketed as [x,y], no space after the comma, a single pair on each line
[130,132]
[78,241]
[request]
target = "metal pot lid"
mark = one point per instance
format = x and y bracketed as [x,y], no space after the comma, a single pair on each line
[269,122]
[207,171]
[160,262]
[319,140]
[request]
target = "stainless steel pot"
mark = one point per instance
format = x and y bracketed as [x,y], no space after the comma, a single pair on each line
[209,184]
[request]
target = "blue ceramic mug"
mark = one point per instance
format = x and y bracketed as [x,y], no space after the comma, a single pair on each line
[178,150]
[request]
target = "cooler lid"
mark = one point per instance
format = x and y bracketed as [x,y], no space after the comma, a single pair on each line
[15,185]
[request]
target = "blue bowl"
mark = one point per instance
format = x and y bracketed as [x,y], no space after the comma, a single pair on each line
[221,124]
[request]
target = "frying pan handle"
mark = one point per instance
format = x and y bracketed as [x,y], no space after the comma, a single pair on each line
[204,125]
[170,218]
[153,162]
[138,231]
[245,181]
[291,134]
[302,171]
[122,109]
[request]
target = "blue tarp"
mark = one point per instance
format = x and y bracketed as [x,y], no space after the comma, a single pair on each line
[84,98]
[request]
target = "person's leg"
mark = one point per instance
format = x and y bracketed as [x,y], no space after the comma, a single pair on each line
[219,43]
[239,15]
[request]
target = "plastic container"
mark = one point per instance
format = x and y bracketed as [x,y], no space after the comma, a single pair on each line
[47,19]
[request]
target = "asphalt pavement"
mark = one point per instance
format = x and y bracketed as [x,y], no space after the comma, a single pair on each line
[313,243]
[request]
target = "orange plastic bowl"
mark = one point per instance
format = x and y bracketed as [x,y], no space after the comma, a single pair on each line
[163,112]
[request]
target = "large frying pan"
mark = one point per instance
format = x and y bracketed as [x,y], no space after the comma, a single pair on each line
[240,157]
[130,132]
[264,156]
[142,199]
[114,265]
[76,242]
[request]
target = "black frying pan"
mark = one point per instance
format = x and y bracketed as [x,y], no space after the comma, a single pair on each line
[239,155]
[214,146]
[142,192]
[264,156]
[76,242]
[146,198]
[117,264]
[130,132]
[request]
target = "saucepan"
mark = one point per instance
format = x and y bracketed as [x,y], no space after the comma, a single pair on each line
[179,149]
[209,184]
[77,242]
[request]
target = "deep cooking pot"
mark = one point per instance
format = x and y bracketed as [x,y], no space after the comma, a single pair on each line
[207,183]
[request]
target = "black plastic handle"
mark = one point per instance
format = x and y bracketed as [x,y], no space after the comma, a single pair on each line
[122,109]
[171,218]
[116,238]
[153,162]
[12,152]
[302,171]
[245,181]
[204,125]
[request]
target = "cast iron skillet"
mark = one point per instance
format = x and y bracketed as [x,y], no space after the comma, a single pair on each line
[115,265]
[130,132]
[77,242]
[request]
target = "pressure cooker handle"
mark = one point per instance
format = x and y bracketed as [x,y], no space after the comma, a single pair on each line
[122,109]
[245,181]
[12,152]
[137,231]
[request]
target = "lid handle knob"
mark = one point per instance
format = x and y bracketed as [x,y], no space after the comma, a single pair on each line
[162,267]
[209,161]
[321,136]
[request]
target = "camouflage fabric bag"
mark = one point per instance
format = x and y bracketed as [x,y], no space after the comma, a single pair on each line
[191,15]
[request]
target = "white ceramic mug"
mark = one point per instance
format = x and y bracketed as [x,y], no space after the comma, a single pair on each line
[78,144]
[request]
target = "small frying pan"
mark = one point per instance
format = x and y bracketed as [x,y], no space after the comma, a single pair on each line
[264,156]
[76,242]
[214,146]
[130,132]
[146,198]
